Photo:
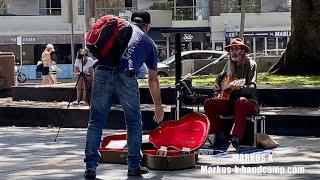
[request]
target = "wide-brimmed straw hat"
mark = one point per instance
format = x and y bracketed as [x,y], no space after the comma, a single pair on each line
[237,42]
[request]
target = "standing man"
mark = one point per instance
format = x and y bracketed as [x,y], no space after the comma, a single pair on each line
[121,82]
[47,62]
[242,101]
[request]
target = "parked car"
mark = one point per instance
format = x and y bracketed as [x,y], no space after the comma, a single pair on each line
[268,53]
[199,59]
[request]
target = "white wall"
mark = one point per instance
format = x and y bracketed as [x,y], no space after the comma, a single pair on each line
[190,23]
[253,22]
[25,7]
[161,18]
[16,25]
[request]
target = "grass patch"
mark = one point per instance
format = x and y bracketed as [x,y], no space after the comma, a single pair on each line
[263,79]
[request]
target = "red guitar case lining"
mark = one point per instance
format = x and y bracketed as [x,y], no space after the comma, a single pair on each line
[187,134]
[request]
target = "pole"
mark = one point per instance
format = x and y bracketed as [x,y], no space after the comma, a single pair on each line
[193,10]
[243,15]
[72,45]
[175,9]
[178,56]
[72,33]
[84,23]
[168,46]
[21,53]
[178,71]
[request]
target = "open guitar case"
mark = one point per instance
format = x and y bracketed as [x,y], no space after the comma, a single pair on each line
[171,146]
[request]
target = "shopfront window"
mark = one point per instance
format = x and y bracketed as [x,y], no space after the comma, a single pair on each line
[50,7]
[190,9]
[3,7]
[249,42]
[260,44]
[282,42]
[119,8]
[218,46]
[196,45]
[234,6]
[271,43]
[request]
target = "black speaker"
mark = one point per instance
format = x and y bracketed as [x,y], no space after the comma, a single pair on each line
[128,3]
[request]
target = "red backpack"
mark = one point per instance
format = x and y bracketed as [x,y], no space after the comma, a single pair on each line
[108,39]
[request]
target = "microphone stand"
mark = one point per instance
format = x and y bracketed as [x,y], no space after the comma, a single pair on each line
[81,74]
[181,84]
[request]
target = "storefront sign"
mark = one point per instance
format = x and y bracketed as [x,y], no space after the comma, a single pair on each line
[260,34]
[24,40]
[231,34]
[42,39]
[282,33]
[19,40]
[187,37]
[190,37]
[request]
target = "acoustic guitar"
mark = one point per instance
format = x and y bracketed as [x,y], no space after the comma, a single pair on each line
[225,90]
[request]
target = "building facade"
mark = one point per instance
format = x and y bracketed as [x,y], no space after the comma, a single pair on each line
[267,25]
[203,24]
[38,22]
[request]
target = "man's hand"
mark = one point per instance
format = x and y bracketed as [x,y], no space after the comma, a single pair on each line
[216,87]
[156,95]
[235,85]
[158,114]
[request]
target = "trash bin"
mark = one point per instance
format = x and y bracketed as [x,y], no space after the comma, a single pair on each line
[54,71]
[7,61]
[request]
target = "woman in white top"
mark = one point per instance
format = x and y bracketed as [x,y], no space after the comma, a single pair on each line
[85,69]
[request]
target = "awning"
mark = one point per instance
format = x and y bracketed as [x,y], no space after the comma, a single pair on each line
[193,29]
[42,39]
[268,28]
[156,35]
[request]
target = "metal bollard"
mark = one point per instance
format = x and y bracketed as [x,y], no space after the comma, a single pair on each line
[15,76]
[54,76]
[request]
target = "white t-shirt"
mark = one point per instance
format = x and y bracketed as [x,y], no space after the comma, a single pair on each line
[86,67]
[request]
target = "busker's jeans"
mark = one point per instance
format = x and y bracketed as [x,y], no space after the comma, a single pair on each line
[241,108]
[107,86]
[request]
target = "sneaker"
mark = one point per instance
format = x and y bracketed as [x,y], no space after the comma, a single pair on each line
[90,174]
[83,103]
[75,103]
[234,147]
[138,172]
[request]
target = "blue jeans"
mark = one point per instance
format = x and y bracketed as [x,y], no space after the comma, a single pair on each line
[107,86]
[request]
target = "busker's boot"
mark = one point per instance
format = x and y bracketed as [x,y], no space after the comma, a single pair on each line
[219,141]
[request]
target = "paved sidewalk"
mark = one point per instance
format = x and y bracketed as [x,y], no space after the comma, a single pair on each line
[30,153]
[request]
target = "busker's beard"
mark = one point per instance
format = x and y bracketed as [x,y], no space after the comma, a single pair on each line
[236,55]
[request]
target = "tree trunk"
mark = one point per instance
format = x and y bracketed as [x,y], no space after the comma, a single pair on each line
[302,56]
[243,15]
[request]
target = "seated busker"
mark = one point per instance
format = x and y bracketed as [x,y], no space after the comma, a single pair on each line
[236,85]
